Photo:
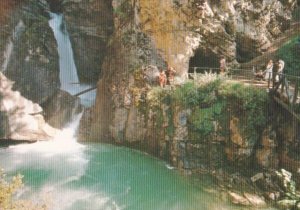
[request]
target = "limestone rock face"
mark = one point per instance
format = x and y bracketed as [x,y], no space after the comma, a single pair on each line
[61,108]
[24,118]
[158,33]
[8,10]
[239,30]
[32,58]
[239,147]
[267,156]
[90,25]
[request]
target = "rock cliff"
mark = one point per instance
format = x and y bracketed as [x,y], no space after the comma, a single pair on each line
[22,119]
[90,24]
[172,32]
[32,58]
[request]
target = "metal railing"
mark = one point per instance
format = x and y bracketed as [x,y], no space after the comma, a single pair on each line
[283,88]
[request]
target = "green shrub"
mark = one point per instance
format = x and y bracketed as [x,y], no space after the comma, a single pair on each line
[290,54]
[190,94]
[212,102]
[250,102]
[201,121]
[8,189]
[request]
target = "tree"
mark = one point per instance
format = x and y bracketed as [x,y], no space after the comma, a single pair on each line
[7,192]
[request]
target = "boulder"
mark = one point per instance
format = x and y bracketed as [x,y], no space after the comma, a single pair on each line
[61,108]
[24,118]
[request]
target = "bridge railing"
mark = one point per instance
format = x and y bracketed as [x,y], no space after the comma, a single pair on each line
[286,86]
[233,73]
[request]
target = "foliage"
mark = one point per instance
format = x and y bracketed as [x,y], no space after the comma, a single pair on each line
[8,189]
[156,96]
[191,94]
[211,104]
[202,120]
[249,102]
[290,54]
[124,11]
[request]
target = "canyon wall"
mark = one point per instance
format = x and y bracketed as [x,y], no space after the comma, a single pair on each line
[158,33]
[90,25]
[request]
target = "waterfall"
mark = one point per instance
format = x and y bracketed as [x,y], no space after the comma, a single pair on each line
[68,73]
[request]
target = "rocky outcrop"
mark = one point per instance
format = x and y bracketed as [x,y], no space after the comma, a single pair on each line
[33,60]
[238,30]
[161,32]
[90,25]
[61,108]
[267,155]
[23,118]
[8,25]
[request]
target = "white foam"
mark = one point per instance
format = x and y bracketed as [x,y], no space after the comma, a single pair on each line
[64,142]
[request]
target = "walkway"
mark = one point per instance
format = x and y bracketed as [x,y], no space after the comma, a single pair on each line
[282,88]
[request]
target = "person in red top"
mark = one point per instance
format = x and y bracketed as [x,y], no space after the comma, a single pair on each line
[170,75]
[162,78]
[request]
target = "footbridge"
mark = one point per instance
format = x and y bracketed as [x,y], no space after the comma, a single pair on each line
[282,88]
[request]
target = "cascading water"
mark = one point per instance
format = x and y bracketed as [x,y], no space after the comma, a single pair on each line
[10,46]
[68,72]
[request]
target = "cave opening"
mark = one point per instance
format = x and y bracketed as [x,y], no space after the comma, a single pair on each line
[204,60]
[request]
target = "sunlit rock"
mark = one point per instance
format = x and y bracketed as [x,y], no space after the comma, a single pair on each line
[25,120]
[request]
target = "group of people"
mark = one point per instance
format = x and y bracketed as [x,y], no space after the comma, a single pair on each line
[166,77]
[268,72]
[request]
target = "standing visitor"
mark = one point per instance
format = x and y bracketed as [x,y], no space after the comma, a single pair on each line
[162,78]
[170,75]
[280,70]
[223,67]
[269,70]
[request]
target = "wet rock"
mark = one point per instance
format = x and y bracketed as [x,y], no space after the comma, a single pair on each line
[273,196]
[90,25]
[33,62]
[257,176]
[239,146]
[61,109]
[238,199]
[4,128]
[267,155]
[135,129]
[255,200]
[286,204]
[118,127]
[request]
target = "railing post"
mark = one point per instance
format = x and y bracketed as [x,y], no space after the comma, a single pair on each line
[287,89]
[295,93]
[282,83]
[269,80]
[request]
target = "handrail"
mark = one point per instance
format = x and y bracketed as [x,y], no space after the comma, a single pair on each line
[237,69]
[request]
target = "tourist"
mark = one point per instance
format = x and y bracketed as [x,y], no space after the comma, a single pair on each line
[223,66]
[162,78]
[267,73]
[279,70]
[269,70]
[170,75]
